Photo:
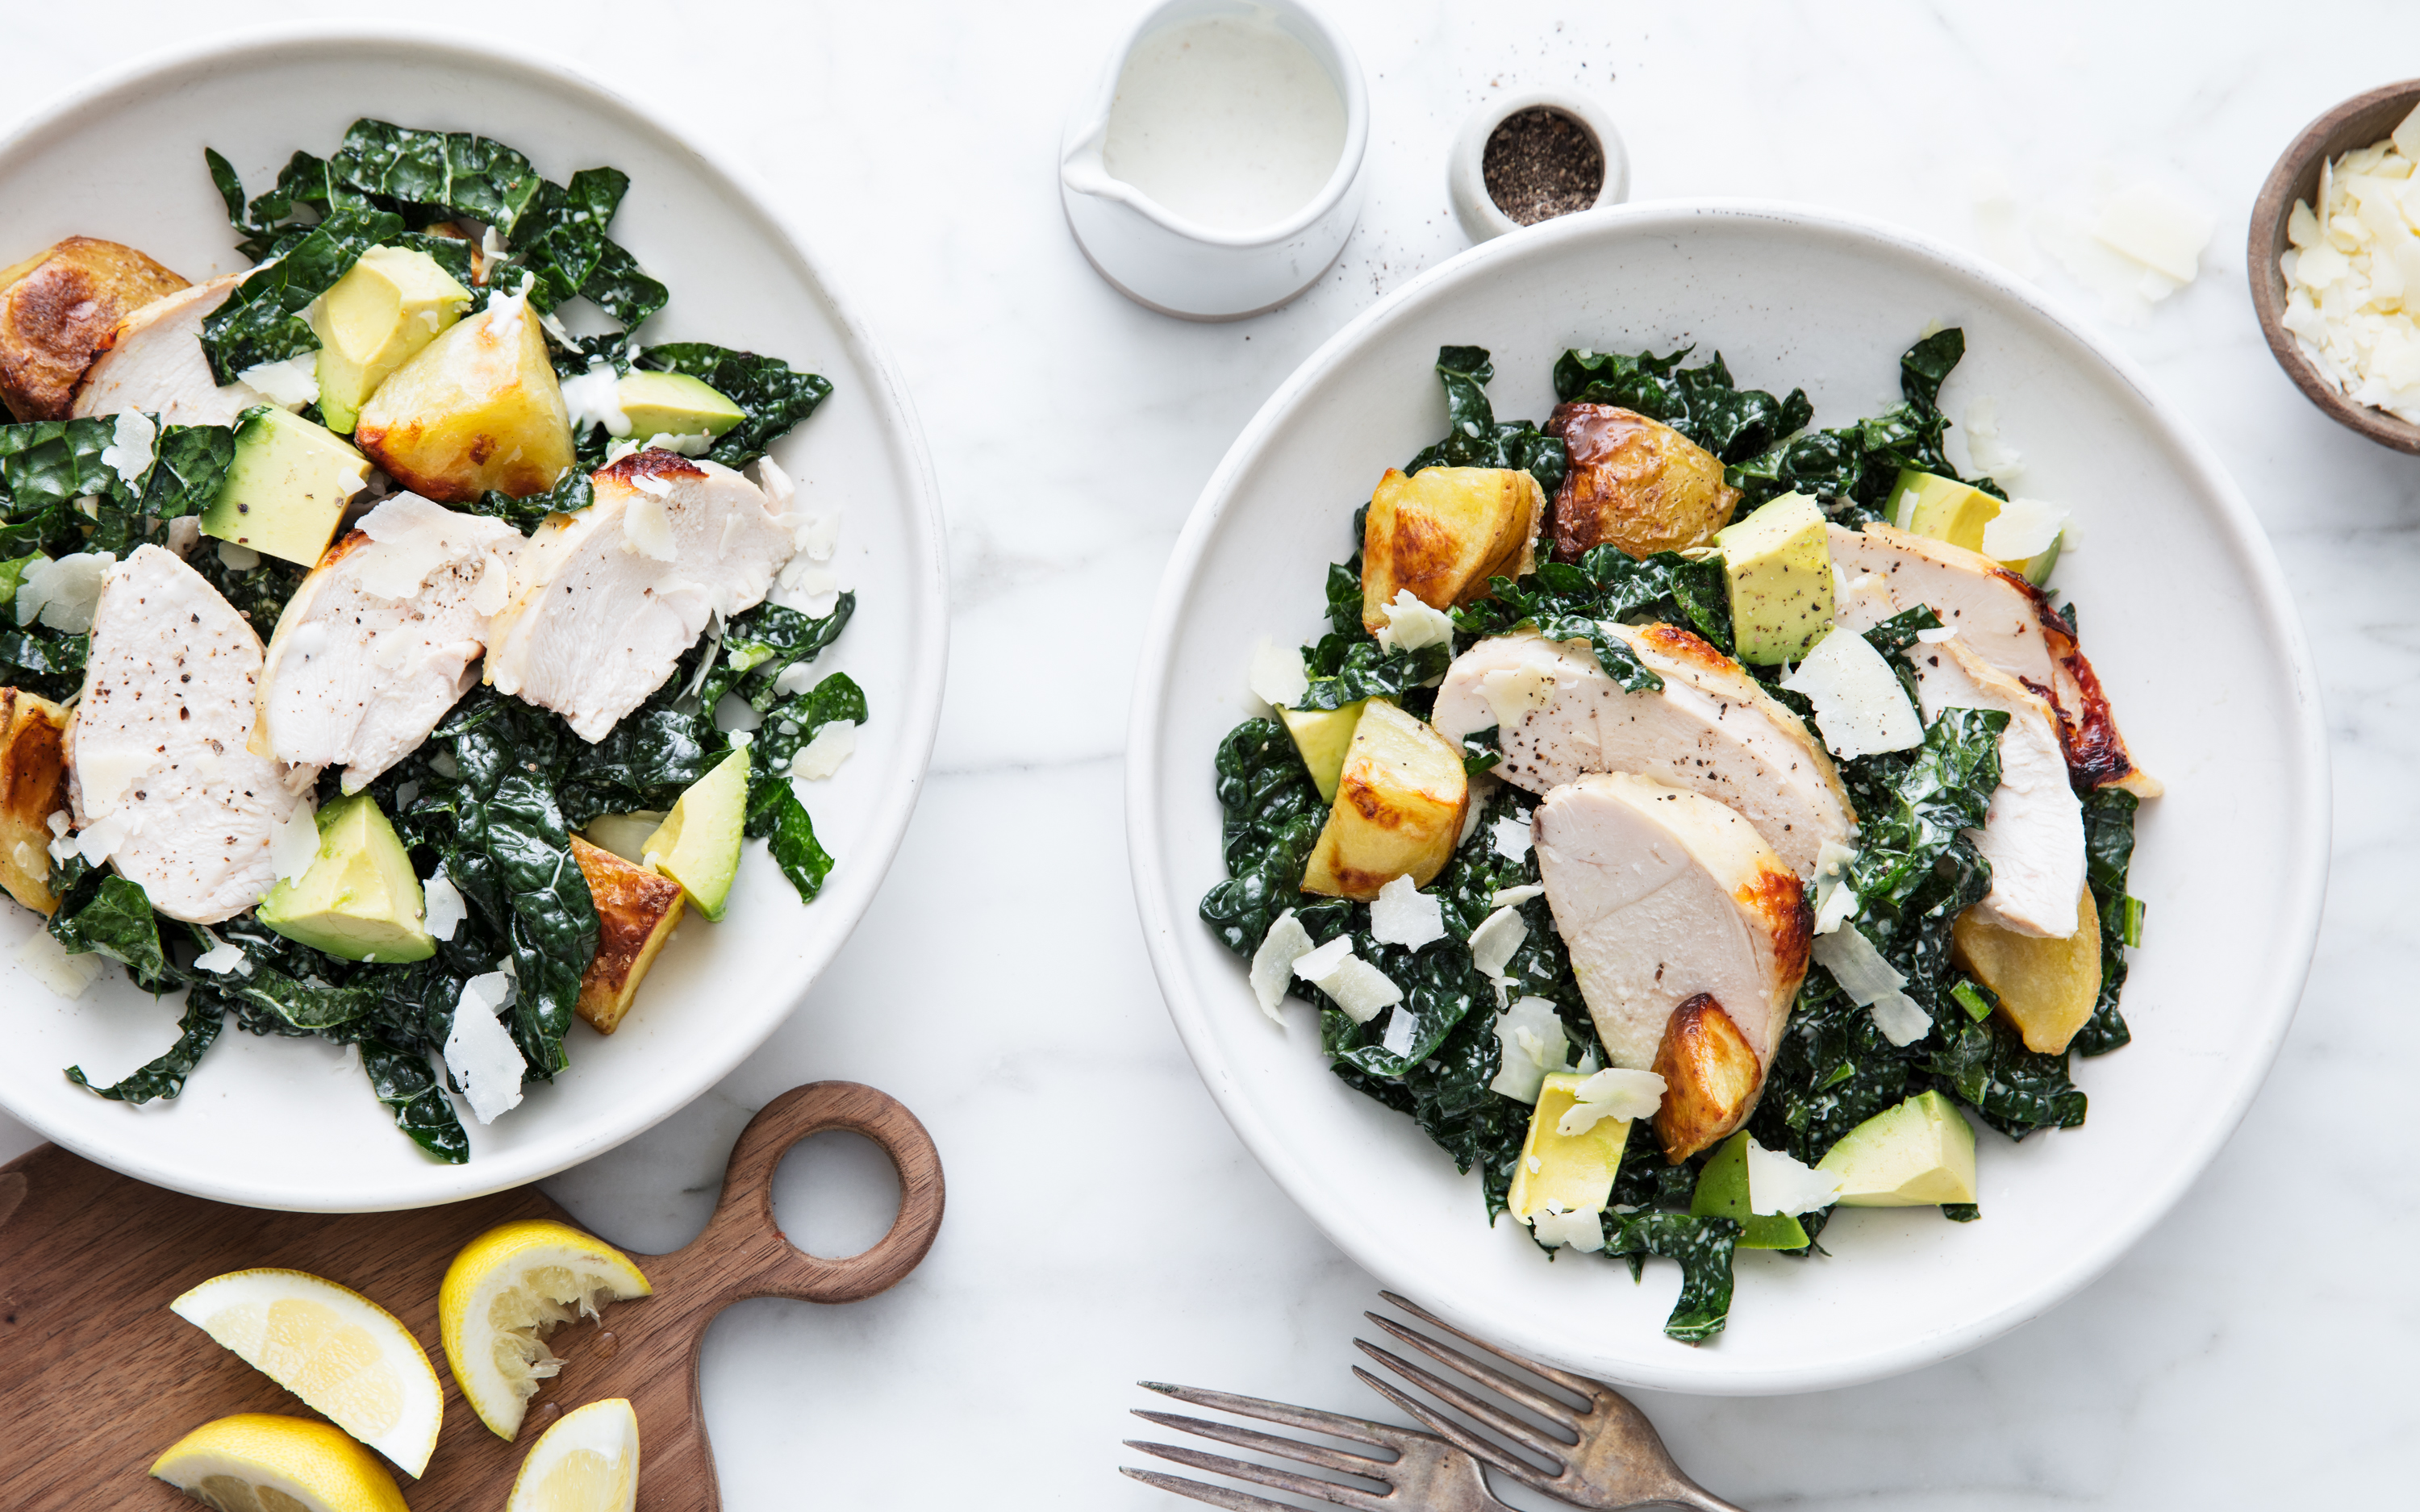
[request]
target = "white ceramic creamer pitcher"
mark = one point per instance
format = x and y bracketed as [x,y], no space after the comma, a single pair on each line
[1183,265]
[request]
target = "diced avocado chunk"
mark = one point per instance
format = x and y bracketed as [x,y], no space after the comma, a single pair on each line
[674,403]
[1572,1172]
[1722,1192]
[390,305]
[1926,503]
[1323,736]
[1778,563]
[288,488]
[1914,1155]
[698,844]
[359,900]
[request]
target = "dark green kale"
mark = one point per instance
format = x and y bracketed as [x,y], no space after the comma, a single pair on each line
[1274,815]
[1475,437]
[571,493]
[1857,464]
[773,396]
[1346,671]
[1702,1247]
[2017,1090]
[1609,585]
[107,915]
[2109,849]
[1701,403]
[403,1080]
[164,1077]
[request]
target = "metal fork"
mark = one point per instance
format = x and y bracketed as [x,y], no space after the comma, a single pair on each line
[1612,1459]
[1427,1474]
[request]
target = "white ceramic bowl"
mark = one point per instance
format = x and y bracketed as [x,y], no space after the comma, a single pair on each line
[290,1123]
[2182,611]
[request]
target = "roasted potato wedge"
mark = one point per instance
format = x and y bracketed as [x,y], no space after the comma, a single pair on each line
[1711,1078]
[57,309]
[1634,482]
[477,408]
[1398,809]
[637,910]
[32,787]
[2047,988]
[1442,532]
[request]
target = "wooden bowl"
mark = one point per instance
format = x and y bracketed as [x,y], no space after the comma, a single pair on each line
[2357,123]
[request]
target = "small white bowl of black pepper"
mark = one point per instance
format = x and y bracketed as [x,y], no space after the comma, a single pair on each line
[1534,157]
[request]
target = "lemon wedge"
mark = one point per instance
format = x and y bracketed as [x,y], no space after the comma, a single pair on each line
[587,1462]
[260,1462]
[509,1288]
[341,1352]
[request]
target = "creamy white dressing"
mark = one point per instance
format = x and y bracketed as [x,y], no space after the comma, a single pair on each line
[1227,120]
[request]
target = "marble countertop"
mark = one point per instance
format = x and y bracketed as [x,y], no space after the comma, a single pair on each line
[1104,1225]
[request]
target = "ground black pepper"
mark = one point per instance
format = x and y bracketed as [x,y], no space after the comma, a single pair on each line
[1541,164]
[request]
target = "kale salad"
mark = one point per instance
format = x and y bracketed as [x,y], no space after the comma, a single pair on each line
[393,648]
[1695,819]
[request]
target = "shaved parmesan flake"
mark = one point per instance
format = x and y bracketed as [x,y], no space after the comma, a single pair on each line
[442,907]
[2353,274]
[289,384]
[1317,963]
[129,454]
[646,529]
[48,961]
[241,558]
[1509,835]
[184,535]
[480,1052]
[1533,1043]
[1509,897]
[1474,810]
[817,536]
[1859,705]
[1495,941]
[1937,634]
[1612,1094]
[1360,989]
[1873,982]
[593,400]
[1777,1183]
[819,758]
[2156,229]
[1273,963]
[1403,1032]
[294,841]
[96,842]
[1581,1231]
[1278,677]
[1412,626]
[1403,914]
[1835,900]
[2024,529]
[63,593]
[221,958]
[1513,692]
[779,489]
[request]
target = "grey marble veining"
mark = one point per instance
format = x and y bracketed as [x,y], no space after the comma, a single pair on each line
[1104,1225]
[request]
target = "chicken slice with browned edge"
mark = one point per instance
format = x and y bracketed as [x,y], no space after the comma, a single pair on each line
[2033,835]
[382,637]
[162,773]
[2002,619]
[605,601]
[1710,728]
[152,361]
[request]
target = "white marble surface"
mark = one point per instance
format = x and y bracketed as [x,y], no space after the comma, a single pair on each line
[1104,1225]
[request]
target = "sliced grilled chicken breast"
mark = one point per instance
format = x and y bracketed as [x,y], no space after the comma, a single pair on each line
[154,363]
[2002,619]
[1710,728]
[2033,835]
[605,601]
[158,755]
[1662,894]
[378,642]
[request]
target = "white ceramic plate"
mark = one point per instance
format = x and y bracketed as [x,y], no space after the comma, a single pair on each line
[2182,611]
[291,1123]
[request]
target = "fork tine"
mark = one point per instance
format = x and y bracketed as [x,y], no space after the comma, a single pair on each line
[1535,1400]
[1269,1475]
[1309,1454]
[1233,1500]
[1495,1417]
[1309,1419]
[1455,1434]
[1576,1384]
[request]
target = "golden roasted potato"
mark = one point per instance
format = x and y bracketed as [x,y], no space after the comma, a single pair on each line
[32,787]
[57,309]
[1443,532]
[1711,1077]
[1634,482]
[477,408]
[2047,988]
[1398,809]
[637,910]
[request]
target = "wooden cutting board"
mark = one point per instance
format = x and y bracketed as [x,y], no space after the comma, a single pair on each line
[97,1377]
